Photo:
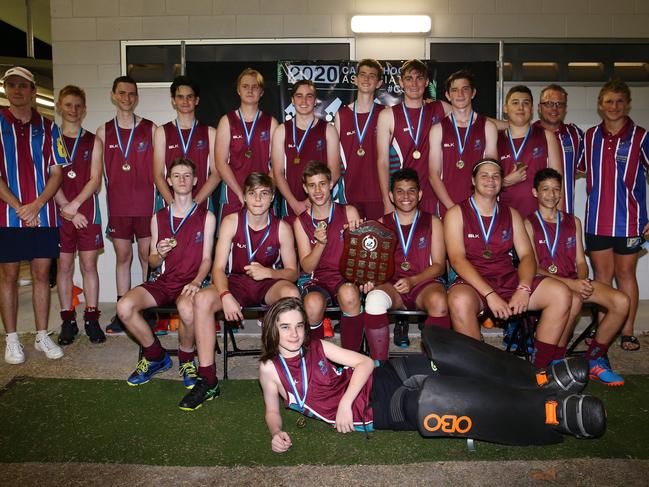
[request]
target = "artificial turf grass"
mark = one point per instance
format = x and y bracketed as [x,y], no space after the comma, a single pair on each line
[67,420]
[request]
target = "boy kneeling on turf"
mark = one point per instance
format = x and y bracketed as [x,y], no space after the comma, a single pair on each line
[251,245]
[182,236]
[560,254]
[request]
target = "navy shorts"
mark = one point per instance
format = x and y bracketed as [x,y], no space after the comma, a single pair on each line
[18,244]
[620,245]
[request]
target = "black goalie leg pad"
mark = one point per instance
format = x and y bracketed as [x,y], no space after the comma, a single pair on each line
[580,415]
[459,355]
[469,408]
[570,375]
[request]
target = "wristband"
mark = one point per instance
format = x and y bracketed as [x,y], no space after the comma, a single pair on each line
[523,287]
[223,294]
[490,292]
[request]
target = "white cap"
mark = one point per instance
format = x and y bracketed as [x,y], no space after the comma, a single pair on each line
[19,71]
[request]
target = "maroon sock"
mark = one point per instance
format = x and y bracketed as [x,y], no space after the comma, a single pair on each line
[68,315]
[91,314]
[559,353]
[596,350]
[208,373]
[186,356]
[351,332]
[543,355]
[377,333]
[154,352]
[441,321]
[317,331]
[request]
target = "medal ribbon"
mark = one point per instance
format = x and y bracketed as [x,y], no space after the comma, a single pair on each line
[331,215]
[513,147]
[415,138]
[360,134]
[405,245]
[251,254]
[130,137]
[174,231]
[185,146]
[551,248]
[252,128]
[305,385]
[486,234]
[74,147]
[462,144]
[298,147]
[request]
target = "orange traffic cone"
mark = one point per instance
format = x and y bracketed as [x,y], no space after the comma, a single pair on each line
[76,291]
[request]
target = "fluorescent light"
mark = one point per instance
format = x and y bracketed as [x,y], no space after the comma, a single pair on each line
[391,23]
[44,101]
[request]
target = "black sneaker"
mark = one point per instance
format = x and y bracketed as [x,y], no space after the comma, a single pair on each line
[200,393]
[579,415]
[94,332]
[68,333]
[401,329]
[116,327]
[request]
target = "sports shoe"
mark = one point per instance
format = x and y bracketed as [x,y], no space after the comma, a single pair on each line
[146,369]
[14,352]
[68,333]
[401,329]
[44,343]
[116,327]
[92,326]
[600,370]
[583,416]
[568,375]
[189,374]
[201,392]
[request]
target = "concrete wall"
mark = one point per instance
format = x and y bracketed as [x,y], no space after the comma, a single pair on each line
[86,49]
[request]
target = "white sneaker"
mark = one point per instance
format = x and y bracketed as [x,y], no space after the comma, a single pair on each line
[14,352]
[45,344]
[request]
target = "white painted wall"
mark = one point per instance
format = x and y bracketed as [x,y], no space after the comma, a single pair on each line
[86,51]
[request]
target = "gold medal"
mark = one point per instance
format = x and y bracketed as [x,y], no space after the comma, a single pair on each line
[553,269]
[360,152]
[416,155]
[405,266]
[322,225]
[301,422]
[486,253]
[126,167]
[248,153]
[72,174]
[459,164]
[296,161]
[172,242]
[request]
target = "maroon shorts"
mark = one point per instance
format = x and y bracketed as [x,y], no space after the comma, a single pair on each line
[248,291]
[163,294]
[328,288]
[409,299]
[127,227]
[371,210]
[82,239]
[505,293]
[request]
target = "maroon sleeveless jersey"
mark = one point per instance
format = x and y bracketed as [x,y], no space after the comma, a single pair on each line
[259,160]
[327,384]
[535,155]
[359,180]
[498,270]
[269,253]
[314,149]
[328,269]
[129,193]
[182,263]
[404,145]
[198,151]
[419,251]
[77,174]
[457,180]
[565,257]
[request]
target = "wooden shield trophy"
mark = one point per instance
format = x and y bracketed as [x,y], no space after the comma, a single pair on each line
[368,254]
